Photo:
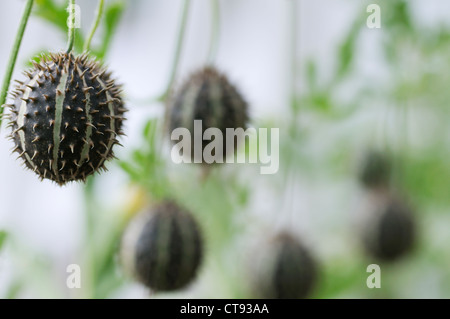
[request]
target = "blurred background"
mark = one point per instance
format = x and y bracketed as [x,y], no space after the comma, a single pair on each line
[336,89]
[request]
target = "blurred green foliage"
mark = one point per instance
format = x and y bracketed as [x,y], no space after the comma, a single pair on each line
[56,14]
[417,67]
[3,237]
[146,166]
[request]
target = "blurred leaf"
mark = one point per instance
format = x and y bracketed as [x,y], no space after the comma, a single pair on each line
[311,75]
[106,272]
[140,158]
[56,14]
[424,178]
[347,49]
[340,277]
[35,57]
[146,166]
[398,16]
[3,237]
[398,22]
[149,130]
[243,196]
[130,170]
[52,12]
[319,101]
[14,289]
[112,15]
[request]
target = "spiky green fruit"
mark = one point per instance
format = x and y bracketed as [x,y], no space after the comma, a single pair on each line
[66,117]
[390,232]
[208,96]
[284,269]
[163,247]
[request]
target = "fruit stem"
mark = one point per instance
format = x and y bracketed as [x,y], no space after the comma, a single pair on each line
[13,56]
[71,25]
[215,28]
[294,128]
[99,14]
[89,201]
[179,46]
[293,56]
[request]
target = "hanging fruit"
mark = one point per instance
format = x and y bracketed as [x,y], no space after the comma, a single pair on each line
[66,117]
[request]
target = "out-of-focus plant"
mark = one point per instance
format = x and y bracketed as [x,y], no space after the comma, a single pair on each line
[413,88]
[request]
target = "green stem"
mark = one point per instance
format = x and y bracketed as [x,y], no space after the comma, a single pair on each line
[215,28]
[179,46]
[294,128]
[71,26]
[89,201]
[13,56]
[293,57]
[87,44]
[293,65]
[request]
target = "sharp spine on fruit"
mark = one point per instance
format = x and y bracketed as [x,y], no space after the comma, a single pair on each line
[52,80]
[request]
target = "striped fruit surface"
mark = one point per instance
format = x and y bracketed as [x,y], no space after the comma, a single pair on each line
[163,247]
[209,97]
[66,117]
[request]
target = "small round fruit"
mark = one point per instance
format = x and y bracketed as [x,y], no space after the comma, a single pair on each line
[390,233]
[376,170]
[163,247]
[66,117]
[284,270]
[209,97]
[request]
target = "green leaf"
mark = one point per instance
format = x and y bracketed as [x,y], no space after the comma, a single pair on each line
[14,289]
[130,170]
[149,131]
[423,178]
[311,75]
[347,52]
[343,277]
[113,13]
[35,57]
[56,14]
[106,274]
[398,15]
[52,12]
[139,157]
[3,237]
[321,101]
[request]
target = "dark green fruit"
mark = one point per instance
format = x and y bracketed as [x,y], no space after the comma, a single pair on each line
[376,170]
[163,248]
[285,270]
[207,96]
[391,231]
[66,117]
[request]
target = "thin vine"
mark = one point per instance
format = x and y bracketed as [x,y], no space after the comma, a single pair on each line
[71,26]
[215,30]
[87,44]
[179,46]
[13,56]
